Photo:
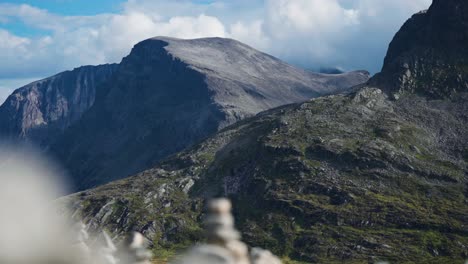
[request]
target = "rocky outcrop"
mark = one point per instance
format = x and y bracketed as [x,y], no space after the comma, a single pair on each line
[42,110]
[429,54]
[170,93]
[356,177]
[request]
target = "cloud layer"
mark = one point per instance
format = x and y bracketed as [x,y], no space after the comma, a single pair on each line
[349,34]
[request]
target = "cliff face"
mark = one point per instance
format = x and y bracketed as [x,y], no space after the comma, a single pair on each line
[170,93]
[42,110]
[356,177]
[429,54]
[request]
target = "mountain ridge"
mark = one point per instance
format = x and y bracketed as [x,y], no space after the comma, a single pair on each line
[161,101]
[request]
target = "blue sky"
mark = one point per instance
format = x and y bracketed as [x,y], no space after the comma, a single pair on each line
[74,7]
[39,38]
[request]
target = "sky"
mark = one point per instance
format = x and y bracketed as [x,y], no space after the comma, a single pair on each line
[39,38]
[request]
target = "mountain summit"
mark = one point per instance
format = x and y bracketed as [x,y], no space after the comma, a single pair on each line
[107,122]
[170,93]
[242,80]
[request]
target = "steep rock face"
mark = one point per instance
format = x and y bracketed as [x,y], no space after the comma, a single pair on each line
[39,111]
[430,53]
[170,93]
[357,177]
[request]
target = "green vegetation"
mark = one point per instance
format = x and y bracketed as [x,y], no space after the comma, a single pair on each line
[331,181]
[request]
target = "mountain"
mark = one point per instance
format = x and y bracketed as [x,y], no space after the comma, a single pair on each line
[429,54]
[170,93]
[40,111]
[355,177]
[331,70]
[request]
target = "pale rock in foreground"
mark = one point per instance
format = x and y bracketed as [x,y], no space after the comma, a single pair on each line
[134,250]
[224,246]
[261,256]
[106,254]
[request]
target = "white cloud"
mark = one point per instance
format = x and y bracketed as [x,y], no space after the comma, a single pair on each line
[251,33]
[10,41]
[32,16]
[80,40]
[309,17]
[352,34]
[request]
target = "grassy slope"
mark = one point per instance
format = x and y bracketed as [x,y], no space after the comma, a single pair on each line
[353,178]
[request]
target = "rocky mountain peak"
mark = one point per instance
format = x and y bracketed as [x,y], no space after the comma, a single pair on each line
[169,93]
[428,56]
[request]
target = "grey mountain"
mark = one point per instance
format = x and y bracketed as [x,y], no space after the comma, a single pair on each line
[42,110]
[170,93]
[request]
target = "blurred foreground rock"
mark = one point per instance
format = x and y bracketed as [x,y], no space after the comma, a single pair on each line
[134,250]
[223,241]
[223,244]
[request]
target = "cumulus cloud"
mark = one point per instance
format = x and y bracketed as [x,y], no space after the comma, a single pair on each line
[306,17]
[350,34]
[306,31]
[80,40]
[18,46]
[251,33]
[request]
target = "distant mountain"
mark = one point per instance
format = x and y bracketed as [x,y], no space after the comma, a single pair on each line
[331,70]
[375,174]
[170,93]
[42,110]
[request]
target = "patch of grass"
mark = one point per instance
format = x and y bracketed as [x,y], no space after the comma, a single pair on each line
[163,256]
[288,260]
[465,154]
[433,239]
[450,168]
[313,163]
[206,157]
[424,157]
